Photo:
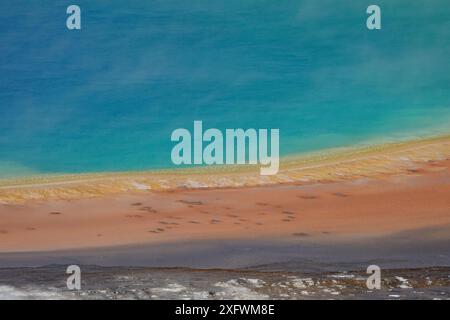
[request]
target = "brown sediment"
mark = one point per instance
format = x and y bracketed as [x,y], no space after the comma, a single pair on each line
[388,201]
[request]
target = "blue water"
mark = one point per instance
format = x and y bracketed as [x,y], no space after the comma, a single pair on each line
[107,97]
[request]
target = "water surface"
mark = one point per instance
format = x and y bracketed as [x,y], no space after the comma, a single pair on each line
[107,97]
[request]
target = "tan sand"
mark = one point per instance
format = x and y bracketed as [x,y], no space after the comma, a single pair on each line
[416,197]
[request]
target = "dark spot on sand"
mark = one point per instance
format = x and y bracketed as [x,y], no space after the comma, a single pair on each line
[258,223]
[160,229]
[340,194]
[288,212]
[55,213]
[30,229]
[3,231]
[194,222]
[262,204]
[326,232]
[213,221]
[136,204]
[204,211]
[163,222]
[148,209]
[133,216]
[286,220]
[99,235]
[232,215]
[300,234]
[308,197]
[194,203]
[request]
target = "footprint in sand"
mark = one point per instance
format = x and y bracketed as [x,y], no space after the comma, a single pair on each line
[157,230]
[340,194]
[289,215]
[134,216]
[300,234]
[307,197]
[262,204]
[192,203]
[148,209]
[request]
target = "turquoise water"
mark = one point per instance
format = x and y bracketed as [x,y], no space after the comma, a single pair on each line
[107,97]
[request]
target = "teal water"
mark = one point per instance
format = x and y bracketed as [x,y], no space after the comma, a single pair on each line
[107,97]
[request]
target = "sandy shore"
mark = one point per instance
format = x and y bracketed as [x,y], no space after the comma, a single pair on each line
[410,191]
[335,165]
